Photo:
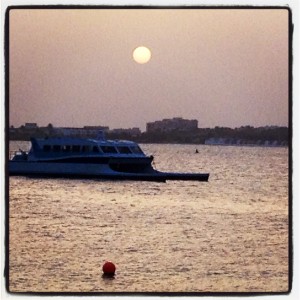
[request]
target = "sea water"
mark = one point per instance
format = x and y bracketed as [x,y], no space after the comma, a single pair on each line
[226,235]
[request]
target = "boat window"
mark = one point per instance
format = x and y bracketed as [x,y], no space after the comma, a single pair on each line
[56,148]
[76,148]
[85,148]
[95,149]
[47,148]
[66,148]
[124,150]
[108,149]
[137,150]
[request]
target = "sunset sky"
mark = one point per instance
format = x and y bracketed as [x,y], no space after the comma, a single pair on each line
[223,67]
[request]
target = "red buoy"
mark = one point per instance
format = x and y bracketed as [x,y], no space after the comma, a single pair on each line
[109,268]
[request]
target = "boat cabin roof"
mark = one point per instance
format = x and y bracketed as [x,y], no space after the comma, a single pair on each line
[82,142]
[84,146]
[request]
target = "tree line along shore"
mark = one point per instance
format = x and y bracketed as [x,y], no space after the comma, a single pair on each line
[245,135]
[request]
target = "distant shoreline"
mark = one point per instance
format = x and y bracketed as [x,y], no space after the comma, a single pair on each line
[269,136]
[195,144]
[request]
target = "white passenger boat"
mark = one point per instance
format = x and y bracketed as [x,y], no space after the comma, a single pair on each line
[90,158]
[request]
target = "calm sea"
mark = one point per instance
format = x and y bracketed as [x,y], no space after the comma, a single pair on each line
[227,235]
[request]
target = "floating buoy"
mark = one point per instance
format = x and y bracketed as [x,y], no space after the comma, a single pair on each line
[109,268]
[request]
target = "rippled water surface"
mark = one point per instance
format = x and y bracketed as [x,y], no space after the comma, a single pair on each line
[227,235]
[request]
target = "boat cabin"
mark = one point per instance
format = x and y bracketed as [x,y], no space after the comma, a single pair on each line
[91,148]
[84,146]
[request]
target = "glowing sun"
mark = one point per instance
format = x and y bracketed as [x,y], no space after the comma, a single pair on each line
[141,54]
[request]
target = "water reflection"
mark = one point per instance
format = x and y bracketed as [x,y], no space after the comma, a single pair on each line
[230,234]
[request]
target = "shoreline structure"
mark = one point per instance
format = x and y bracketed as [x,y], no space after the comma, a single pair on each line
[171,131]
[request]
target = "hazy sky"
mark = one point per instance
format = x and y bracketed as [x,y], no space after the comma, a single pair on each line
[221,67]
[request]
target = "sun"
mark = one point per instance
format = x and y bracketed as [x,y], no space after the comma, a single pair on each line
[141,54]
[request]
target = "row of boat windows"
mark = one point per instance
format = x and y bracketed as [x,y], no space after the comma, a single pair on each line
[93,149]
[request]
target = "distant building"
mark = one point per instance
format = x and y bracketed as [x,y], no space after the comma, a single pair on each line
[31,125]
[135,131]
[103,128]
[168,125]
[86,131]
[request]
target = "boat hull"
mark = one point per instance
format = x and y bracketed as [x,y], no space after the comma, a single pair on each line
[95,171]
